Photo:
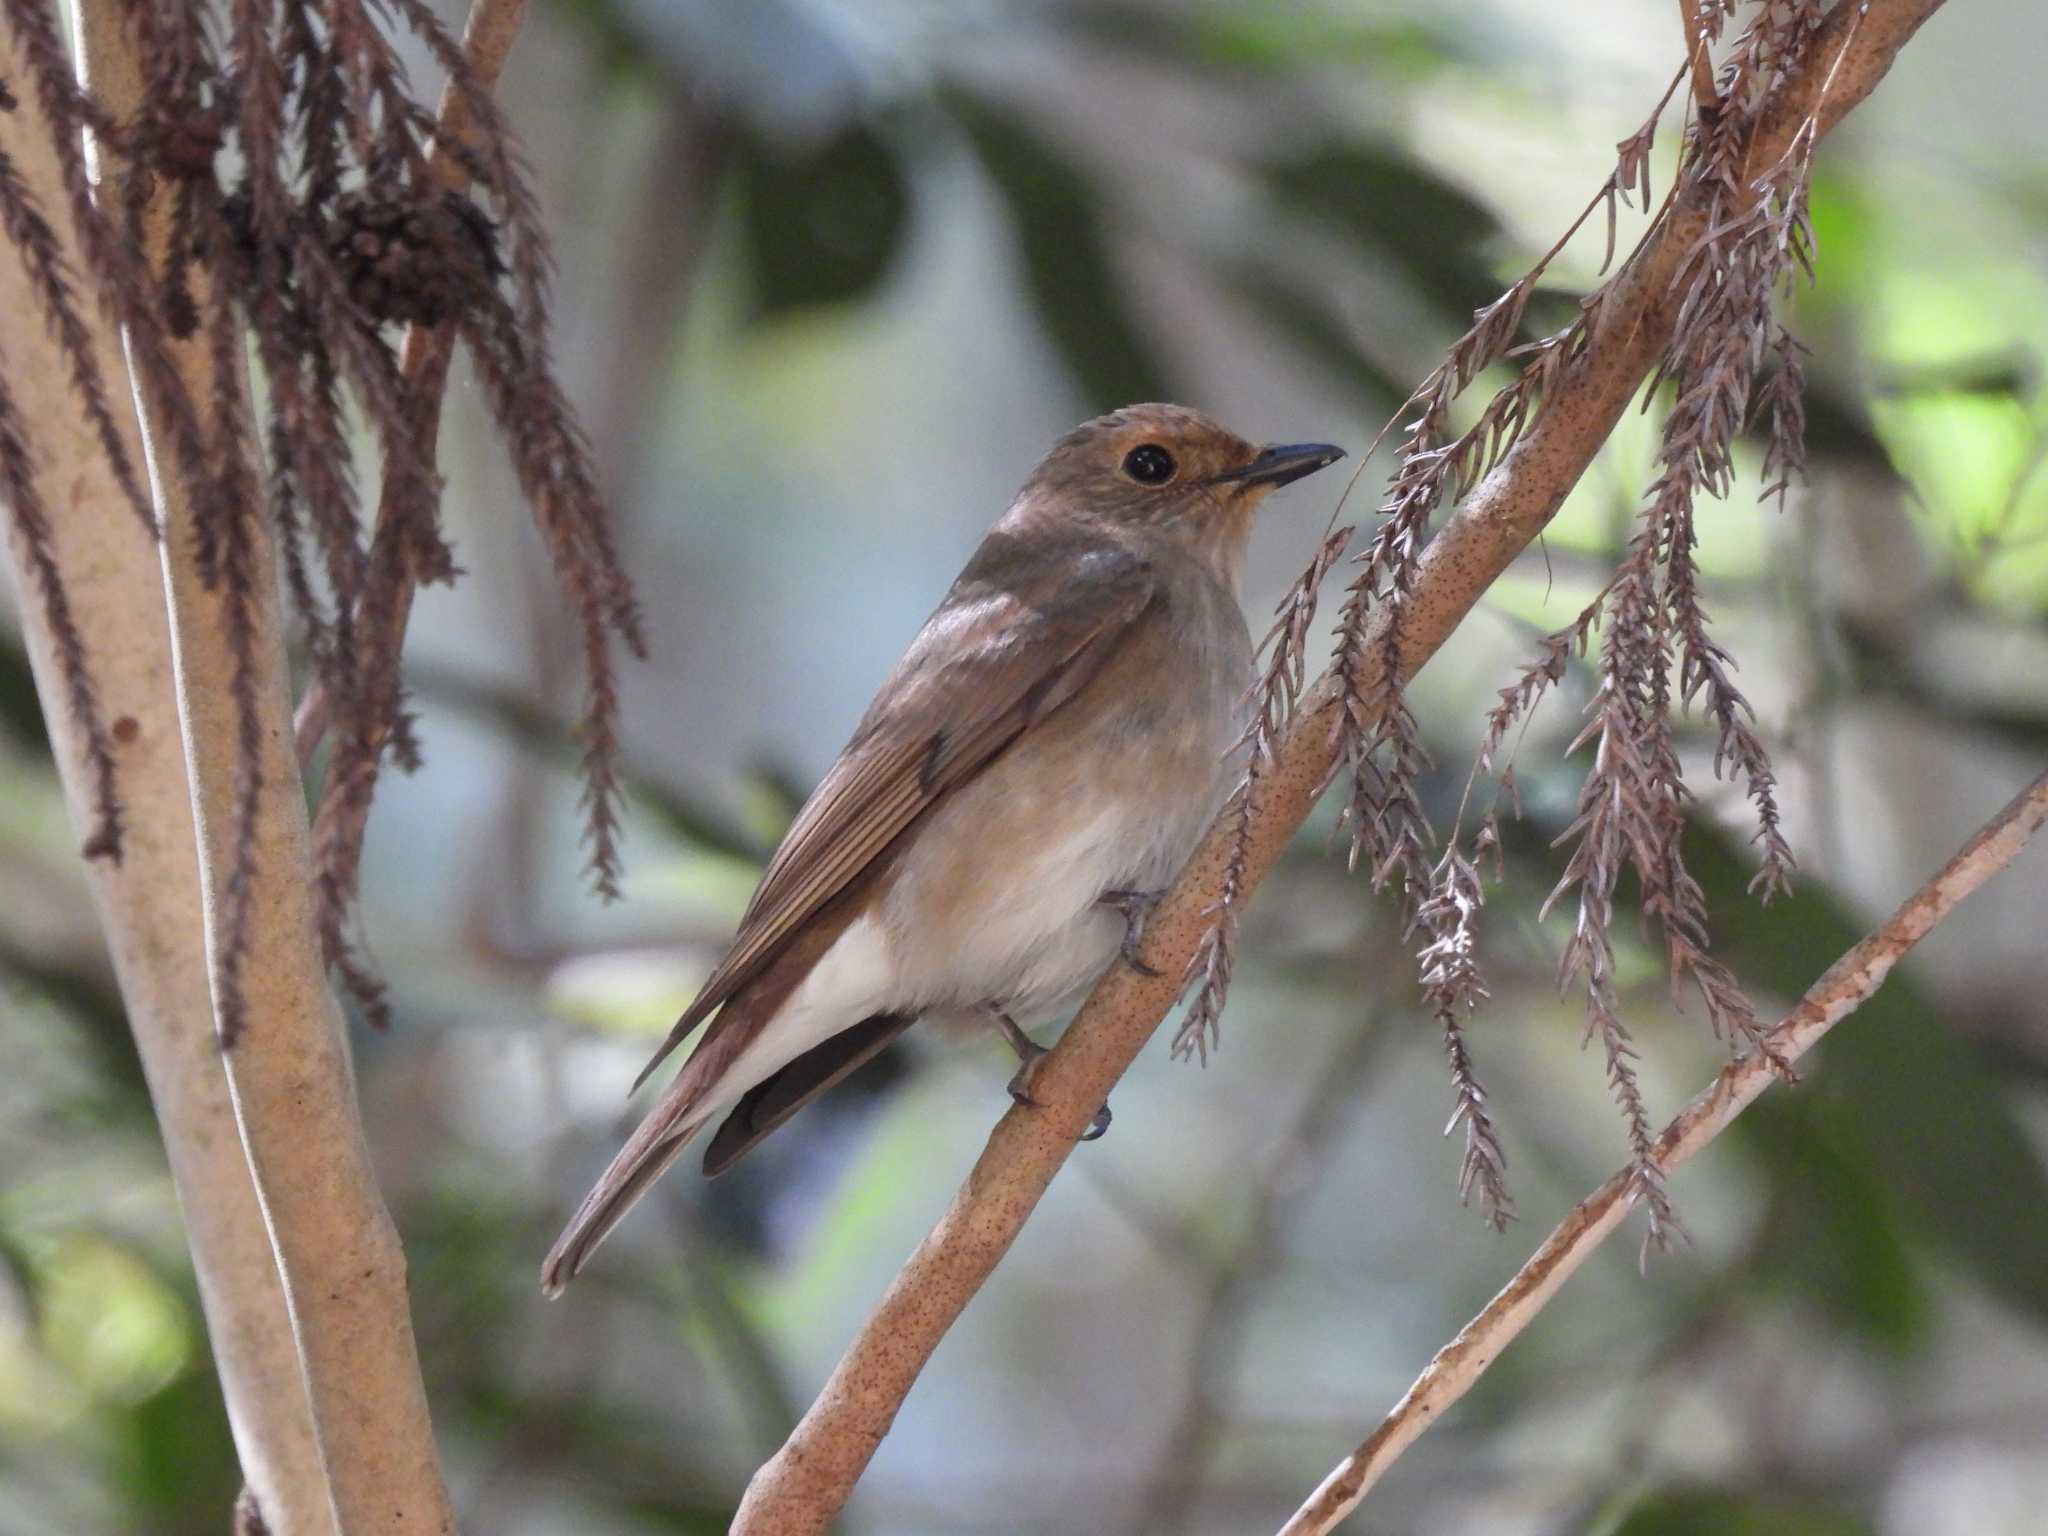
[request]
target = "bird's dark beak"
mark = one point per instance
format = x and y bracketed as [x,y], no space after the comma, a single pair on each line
[1283,464]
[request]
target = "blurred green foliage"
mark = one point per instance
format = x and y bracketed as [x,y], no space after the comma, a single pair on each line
[1711,1512]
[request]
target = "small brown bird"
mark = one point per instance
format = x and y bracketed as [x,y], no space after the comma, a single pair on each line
[1033,773]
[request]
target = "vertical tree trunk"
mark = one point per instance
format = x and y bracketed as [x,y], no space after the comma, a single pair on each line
[289,1076]
[148,903]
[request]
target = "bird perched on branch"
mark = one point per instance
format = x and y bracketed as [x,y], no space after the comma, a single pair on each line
[1032,774]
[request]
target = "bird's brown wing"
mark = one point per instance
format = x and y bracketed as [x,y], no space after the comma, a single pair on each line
[1023,630]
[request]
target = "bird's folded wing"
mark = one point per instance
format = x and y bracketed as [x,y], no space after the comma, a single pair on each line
[1005,650]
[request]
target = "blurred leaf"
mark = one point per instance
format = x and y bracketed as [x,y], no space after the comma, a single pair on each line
[176,1458]
[1393,205]
[1833,1230]
[617,49]
[824,225]
[630,1457]
[1062,240]
[1889,661]
[678,1517]
[1838,430]
[770,795]
[1306,321]
[1277,39]
[1689,1511]
[1848,232]
[86,1000]
[21,712]
[631,992]
[470,1242]
[108,1317]
[526,722]
[2011,373]
[1913,1103]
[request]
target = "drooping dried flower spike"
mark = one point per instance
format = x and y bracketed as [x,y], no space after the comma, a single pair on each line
[1648,630]
[311,203]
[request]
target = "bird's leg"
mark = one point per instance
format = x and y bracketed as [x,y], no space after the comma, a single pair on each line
[1135,906]
[1029,1054]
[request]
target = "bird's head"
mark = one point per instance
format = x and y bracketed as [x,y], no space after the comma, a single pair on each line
[1172,469]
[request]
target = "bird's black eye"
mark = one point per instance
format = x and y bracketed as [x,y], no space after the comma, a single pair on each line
[1149,464]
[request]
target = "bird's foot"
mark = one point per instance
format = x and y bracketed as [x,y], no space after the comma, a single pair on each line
[1029,1054]
[1135,906]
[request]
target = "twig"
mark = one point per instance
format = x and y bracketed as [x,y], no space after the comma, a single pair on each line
[289,1076]
[805,1484]
[147,902]
[1701,62]
[1846,984]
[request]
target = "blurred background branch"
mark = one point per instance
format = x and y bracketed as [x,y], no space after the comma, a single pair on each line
[1848,983]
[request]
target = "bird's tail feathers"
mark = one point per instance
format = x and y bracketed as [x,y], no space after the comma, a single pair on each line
[646,1156]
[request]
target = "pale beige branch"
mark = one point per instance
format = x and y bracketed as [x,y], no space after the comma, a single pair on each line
[1846,985]
[805,1484]
[148,903]
[289,1075]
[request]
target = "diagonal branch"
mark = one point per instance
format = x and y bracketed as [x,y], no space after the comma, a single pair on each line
[1847,984]
[805,1484]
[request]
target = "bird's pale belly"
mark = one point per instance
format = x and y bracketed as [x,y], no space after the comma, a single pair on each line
[1002,907]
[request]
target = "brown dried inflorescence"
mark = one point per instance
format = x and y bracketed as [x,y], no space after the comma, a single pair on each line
[288,186]
[1730,363]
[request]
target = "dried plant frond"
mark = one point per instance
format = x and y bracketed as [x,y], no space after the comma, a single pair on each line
[1655,650]
[29,232]
[32,528]
[280,180]
[1535,680]
[1272,703]
[1632,806]
[1446,919]
[1782,401]
[228,517]
[1380,746]
[1215,958]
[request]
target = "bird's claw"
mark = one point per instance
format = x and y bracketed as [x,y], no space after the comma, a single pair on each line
[1020,1085]
[1135,906]
[1029,1055]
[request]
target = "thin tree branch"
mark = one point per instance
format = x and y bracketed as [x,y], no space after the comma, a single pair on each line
[804,1485]
[1847,984]
[1694,25]
[147,902]
[289,1075]
[487,40]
